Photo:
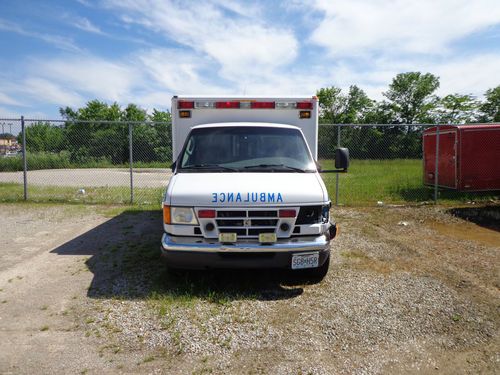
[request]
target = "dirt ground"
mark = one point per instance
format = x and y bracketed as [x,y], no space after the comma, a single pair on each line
[410,290]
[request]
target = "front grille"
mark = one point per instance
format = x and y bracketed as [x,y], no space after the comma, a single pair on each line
[230,223]
[239,232]
[256,232]
[231,213]
[262,213]
[247,223]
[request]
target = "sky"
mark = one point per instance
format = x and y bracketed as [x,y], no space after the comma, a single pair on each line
[66,52]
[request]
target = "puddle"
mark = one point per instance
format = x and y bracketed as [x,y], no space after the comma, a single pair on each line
[469,231]
[487,216]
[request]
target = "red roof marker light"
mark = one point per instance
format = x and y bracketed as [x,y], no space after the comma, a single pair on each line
[220,105]
[182,104]
[262,105]
[304,105]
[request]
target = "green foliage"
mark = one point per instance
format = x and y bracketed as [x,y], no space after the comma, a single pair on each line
[95,138]
[411,96]
[37,160]
[42,137]
[332,104]
[491,107]
[338,108]
[457,109]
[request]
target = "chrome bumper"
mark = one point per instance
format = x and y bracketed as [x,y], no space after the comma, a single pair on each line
[200,244]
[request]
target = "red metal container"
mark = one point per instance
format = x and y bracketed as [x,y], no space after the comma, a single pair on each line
[469,157]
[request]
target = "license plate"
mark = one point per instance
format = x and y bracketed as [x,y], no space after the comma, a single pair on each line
[227,237]
[267,237]
[306,260]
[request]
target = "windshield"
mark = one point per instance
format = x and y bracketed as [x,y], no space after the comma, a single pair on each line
[246,149]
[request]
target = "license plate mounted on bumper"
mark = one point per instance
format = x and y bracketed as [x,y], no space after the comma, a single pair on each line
[305,260]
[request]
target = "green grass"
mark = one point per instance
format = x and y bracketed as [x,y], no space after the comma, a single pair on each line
[12,192]
[396,181]
[369,181]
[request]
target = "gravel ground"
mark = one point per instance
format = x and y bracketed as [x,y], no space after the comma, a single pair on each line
[413,290]
[91,177]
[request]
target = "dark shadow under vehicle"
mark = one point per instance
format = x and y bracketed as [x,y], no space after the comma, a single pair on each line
[125,262]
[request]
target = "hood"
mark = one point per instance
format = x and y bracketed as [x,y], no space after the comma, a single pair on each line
[245,189]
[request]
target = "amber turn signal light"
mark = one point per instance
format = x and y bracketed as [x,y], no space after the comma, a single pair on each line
[166,215]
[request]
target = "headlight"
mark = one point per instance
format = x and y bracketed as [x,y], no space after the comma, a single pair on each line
[183,215]
[325,213]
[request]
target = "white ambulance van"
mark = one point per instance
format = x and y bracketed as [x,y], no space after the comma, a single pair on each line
[246,190]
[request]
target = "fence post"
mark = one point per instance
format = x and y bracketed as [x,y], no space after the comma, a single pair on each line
[436,170]
[336,174]
[25,164]
[131,159]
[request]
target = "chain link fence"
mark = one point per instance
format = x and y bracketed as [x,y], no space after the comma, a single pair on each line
[129,162]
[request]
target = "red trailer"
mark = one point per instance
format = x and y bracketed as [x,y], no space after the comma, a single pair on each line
[469,157]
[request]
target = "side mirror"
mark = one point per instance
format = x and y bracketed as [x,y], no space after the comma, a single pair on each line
[342,158]
[341,162]
[174,164]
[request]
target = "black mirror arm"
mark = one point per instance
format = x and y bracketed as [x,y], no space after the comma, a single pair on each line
[333,171]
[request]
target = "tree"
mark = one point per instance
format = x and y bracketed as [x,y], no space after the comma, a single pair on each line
[101,131]
[332,105]
[358,106]
[457,109]
[491,107]
[44,137]
[411,96]
[91,137]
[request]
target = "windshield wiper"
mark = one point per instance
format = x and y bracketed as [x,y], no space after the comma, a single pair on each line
[271,166]
[209,166]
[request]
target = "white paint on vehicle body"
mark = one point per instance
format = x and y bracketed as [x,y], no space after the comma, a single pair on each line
[234,189]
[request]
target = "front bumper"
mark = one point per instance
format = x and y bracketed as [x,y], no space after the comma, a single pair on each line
[202,253]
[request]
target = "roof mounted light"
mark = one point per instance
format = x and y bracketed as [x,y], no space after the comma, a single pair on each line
[286,105]
[184,104]
[304,105]
[204,104]
[262,105]
[231,104]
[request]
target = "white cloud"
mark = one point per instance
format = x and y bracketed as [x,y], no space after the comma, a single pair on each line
[7,100]
[96,77]
[251,52]
[233,47]
[178,71]
[457,74]
[58,41]
[357,27]
[49,92]
[468,75]
[84,24]
[242,45]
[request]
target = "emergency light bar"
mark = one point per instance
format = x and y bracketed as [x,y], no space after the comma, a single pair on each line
[185,104]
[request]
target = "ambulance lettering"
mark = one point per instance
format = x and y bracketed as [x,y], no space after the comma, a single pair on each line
[252,197]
